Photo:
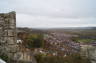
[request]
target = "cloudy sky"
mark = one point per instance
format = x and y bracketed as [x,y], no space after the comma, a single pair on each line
[52,13]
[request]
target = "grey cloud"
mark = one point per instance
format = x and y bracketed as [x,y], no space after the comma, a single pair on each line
[55,8]
[52,13]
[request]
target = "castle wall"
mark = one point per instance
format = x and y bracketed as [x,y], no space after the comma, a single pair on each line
[8,40]
[8,33]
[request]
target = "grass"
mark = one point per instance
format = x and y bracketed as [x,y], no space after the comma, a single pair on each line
[83,40]
[74,58]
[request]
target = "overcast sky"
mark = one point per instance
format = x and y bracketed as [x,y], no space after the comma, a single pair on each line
[52,13]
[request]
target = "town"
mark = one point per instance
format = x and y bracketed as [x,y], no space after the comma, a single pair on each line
[27,45]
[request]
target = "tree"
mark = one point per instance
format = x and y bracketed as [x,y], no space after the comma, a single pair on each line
[35,41]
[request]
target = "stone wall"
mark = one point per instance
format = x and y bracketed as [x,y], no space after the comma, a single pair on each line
[8,38]
[8,33]
[89,51]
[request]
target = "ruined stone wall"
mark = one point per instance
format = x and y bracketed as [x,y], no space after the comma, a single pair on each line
[8,40]
[8,33]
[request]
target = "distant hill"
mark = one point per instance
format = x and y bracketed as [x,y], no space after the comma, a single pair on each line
[69,29]
[29,30]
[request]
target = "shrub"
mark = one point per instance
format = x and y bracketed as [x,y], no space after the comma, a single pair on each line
[74,58]
[4,57]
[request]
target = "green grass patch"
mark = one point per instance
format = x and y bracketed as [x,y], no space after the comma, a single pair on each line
[83,40]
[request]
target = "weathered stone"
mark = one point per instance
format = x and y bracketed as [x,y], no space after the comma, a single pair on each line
[8,33]
[11,32]
[8,44]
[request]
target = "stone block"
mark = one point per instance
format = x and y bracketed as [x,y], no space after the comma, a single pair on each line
[11,32]
[12,22]
[5,33]
[12,27]
[11,48]
[11,40]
